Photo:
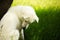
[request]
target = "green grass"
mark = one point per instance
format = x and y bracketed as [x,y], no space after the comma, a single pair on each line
[48,12]
[48,27]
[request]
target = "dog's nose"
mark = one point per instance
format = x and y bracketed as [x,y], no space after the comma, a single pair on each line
[24,23]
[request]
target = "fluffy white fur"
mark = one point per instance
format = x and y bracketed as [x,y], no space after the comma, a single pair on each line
[14,20]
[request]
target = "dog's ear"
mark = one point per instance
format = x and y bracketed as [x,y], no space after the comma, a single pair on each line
[37,19]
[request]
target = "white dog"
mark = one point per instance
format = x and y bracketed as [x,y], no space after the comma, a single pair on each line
[16,19]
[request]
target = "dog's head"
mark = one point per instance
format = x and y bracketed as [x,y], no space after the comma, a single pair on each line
[29,16]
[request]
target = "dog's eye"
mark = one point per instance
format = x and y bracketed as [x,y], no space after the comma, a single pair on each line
[27,21]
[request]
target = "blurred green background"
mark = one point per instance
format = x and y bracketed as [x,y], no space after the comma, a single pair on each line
[48,12]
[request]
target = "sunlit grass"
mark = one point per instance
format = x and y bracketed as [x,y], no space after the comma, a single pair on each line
[38,3]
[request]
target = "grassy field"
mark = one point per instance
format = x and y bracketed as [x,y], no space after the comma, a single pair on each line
[48,12]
